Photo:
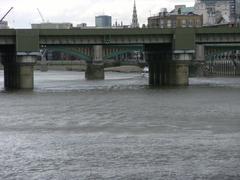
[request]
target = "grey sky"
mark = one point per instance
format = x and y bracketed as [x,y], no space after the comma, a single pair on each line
[78,11]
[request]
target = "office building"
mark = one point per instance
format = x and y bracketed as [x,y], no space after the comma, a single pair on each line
[235,11]
[103,21]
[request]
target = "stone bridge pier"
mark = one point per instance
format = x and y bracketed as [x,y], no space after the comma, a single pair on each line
[18,69]
[167,67]
[158,57]
[179,67]
[19,59]
[95,69]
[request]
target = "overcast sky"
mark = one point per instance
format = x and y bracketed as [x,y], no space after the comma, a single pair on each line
[79,11]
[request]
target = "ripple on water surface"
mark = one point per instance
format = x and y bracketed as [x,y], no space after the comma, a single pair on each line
[69,128]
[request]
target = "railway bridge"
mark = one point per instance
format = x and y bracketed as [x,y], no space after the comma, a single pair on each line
[167,51]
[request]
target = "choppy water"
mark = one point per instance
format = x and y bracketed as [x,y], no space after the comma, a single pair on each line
[69,128]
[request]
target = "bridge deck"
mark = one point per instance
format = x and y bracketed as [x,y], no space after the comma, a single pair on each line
[180,36]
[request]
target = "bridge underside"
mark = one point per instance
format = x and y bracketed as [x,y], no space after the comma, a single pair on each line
[165,67]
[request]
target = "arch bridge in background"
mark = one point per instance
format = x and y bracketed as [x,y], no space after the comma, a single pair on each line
[86,52]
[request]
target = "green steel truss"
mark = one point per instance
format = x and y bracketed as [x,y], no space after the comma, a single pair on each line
[78,51]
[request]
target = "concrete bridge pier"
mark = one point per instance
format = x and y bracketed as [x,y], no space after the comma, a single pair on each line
[18,71]
[174,72]
[26,64]
[8,60]
[158,58]
[95,70]
[179,68]
[158,73]
[179,73]
[10,76]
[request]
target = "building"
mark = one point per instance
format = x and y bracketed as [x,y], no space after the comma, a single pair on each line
[82,25]
[216,11]
[103,21]
[52,26]
[135,23]
[237,10]
[232,6]
[180,17]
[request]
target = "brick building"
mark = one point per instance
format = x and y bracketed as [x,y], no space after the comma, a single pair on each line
[179,17]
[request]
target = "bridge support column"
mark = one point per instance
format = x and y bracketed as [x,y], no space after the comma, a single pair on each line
[26,68]
[11,79]
[179,68]
[18,72]
[158,73]
[179,73]
[95,70]
[158,58]
[173,72]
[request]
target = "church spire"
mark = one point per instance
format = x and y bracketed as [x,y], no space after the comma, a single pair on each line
[135,23]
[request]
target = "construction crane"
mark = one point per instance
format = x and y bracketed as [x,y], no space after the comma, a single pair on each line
[39,12]
[6,14]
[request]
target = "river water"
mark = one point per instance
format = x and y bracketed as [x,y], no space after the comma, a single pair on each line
[69,128]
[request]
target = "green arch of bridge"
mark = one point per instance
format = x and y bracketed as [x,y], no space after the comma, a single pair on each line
[71,52]
[88,58]
[126,49]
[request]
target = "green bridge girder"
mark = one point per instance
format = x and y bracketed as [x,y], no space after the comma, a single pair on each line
[71,52]
[123,49]
[74,52]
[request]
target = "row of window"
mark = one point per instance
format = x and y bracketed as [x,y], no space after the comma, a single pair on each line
[173,23]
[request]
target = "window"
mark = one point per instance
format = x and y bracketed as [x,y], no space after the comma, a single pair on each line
[190,23]
[161,23]
[198,23]
[184,22]
[174,24]
[169,23]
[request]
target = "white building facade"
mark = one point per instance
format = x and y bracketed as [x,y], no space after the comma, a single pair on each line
[213,11]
